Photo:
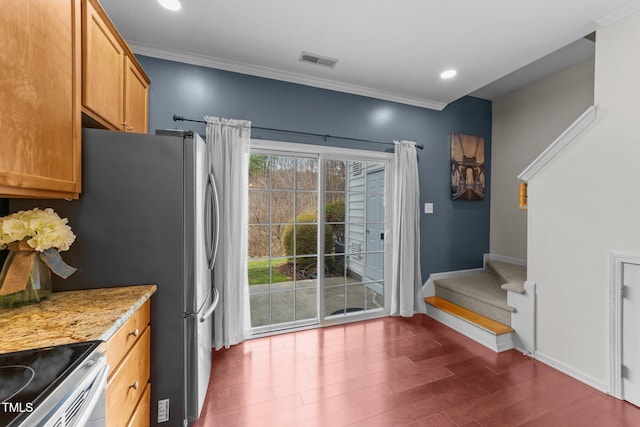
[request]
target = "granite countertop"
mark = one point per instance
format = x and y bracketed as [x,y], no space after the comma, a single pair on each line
[69,317]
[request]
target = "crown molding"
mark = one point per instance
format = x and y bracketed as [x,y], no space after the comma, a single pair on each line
[559,144]
[618,14]
[275,74]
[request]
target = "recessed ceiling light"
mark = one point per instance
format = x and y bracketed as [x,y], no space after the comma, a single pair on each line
[448,74]
[173,5]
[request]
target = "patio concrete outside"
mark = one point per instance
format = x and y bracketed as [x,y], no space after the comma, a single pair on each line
[302,294]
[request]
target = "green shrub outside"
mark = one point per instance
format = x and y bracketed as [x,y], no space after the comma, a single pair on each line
[334,212]
[306,238]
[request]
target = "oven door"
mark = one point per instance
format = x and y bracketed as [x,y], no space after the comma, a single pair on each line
[80,400]
[65,388]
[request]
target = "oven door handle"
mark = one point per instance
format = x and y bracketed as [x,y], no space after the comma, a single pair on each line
[98,388]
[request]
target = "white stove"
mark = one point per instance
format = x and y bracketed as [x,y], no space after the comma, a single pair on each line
[59,386]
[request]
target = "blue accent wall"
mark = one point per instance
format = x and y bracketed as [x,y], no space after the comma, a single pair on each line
[454,237]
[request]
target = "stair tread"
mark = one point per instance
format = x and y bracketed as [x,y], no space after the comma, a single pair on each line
[468,315]
[513,276]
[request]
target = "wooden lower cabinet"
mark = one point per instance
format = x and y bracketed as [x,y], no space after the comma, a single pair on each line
[142,413]
[129,356]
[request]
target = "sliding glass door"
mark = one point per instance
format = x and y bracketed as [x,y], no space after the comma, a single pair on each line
[309,265]
[354,201]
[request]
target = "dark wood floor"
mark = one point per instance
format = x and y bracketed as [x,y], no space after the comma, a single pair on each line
[396,372]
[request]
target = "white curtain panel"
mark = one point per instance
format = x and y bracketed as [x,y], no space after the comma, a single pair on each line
[405,244]
[228,145]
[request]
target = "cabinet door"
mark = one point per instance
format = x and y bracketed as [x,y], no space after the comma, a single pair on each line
[142,414]
[39,95]
[136,98]
[103,67]
[126,386]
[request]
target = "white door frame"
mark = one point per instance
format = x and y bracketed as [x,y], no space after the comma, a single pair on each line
[616,262]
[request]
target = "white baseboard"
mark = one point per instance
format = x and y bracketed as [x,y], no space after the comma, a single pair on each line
[580,376]
[494,342]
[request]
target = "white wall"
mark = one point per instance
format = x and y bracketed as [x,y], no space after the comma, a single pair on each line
[584,204]
[525,122]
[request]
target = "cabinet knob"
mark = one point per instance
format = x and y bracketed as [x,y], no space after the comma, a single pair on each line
[135,332]
[134,385]
[124,125]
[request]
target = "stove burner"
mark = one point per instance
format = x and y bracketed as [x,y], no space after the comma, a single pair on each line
[14,379]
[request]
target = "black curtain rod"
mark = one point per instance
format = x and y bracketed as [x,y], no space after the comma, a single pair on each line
[177,118]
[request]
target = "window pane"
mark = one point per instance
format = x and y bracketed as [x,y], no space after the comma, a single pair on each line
[306,269]
[335,175]
[356,297]
[375,295]
[307,173]
[334,300]
[306,302]
[277,236]
[307,204]
[282,303]
[336,272]
[306,239]
[258,206]
[260,309]
[258,171]
[281,271]
[259,241]
[281,206]
[283,172]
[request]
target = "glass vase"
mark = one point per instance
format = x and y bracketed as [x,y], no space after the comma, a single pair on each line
[38,286]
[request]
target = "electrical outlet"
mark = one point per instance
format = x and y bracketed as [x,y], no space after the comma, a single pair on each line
[163,410]
[428,208]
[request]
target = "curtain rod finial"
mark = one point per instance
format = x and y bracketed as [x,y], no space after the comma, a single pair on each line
[177,117]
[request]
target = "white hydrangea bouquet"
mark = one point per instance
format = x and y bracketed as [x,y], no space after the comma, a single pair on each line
[33,237]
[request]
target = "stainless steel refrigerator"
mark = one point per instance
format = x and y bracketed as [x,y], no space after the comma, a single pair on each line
[147,215]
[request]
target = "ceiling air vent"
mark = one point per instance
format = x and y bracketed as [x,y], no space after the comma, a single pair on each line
[312,58]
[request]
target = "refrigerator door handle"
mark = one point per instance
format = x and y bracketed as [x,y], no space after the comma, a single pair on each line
[212,213]
[214,304]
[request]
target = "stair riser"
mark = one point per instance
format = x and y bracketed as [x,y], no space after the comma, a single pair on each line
[490,311]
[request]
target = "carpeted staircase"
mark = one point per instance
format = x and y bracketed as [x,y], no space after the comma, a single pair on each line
[480,297]
[485,292]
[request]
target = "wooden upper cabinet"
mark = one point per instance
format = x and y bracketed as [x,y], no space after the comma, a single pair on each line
[103,63]
[136,97]
[40,98]
[115,88]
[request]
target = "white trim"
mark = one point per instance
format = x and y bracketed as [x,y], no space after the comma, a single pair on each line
[618,14]
[559,144]
[329,151]
[502,258]
[616,260]
[580,376]
[275,74]
[495,342]
[523,320]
